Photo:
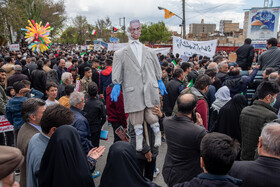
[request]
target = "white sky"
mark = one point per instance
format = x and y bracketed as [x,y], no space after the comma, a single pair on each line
[212,11]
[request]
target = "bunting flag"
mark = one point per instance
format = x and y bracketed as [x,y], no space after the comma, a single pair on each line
[190,84]
[93,32]
[115,29]
[168,14]
[174,62]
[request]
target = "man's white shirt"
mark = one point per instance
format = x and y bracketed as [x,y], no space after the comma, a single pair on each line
[136,47]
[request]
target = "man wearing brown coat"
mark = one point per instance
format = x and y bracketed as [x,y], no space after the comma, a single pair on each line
[32,112]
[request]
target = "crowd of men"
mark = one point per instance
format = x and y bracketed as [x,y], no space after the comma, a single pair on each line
[58,102]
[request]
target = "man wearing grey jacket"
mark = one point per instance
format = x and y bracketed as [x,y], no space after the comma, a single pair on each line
[270,58]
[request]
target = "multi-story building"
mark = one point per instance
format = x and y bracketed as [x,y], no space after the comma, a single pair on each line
[197,28]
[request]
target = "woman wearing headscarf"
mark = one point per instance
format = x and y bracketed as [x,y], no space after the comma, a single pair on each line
[228,118]
[64,162]
[122,156]
[222,97]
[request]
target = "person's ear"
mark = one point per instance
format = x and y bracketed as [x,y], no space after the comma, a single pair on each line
[202,164]
[260,142]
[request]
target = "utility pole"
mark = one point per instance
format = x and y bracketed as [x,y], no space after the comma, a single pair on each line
[123,27]
[184,20]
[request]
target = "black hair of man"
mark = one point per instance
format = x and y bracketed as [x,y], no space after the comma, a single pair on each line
[202,62]
[234,72]
[177,73]
[69,58]
[248,41]
[74,60]
[218,152]
[30,107]
[194,55]
[169,70]
[18,86]
[218,59]
[46,61]
[69,89]
[86,69]
[26,82]
[92,89]
[50,84]
[8,59]
[210,72]
[109,62]
[165,64]
[186,103]
[266,88]
[202,81]
[95,60]
[177,55]
[56,116]
[269,70]
[1,60]
[2,70]
[272,41]
[163,68]
[185,66]
[40,64]
[161,58]
[23,62]
[85,59]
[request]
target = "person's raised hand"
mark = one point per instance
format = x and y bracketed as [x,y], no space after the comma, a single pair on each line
[96,152]
[156,111]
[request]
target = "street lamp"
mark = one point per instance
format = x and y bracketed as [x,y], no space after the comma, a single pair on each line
[183,19]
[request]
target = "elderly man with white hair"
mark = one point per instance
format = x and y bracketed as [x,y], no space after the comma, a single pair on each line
[223,71]
[77,103]
[264,171]
[66,79]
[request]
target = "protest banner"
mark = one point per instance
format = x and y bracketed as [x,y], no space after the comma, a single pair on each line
[163,51]
[5,125]
[14,47]
[188,48]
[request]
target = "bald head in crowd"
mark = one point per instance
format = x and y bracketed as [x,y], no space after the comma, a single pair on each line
[186,103]
[213,66]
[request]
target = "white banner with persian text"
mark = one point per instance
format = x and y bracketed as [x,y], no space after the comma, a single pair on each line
[188,48]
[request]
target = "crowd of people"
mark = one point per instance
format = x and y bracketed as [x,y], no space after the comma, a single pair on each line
[58,102]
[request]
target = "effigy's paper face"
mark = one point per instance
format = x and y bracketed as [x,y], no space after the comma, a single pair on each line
[135,29]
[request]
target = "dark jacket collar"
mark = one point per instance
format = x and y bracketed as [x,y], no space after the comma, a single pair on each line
[74,109]
[272,48]
[261,103]
[228,178]
[275,162]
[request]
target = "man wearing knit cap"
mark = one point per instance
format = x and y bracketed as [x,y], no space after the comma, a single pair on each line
[10,159]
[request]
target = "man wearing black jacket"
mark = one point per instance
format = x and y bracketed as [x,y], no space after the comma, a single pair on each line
[173,88]
[245,55]
[95,114]
[95,73]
